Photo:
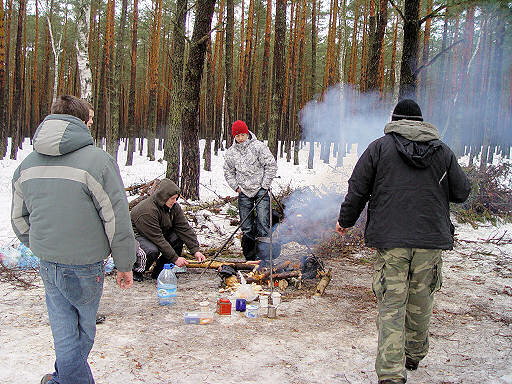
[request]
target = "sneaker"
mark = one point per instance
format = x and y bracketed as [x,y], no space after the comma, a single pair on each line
[46,378]
[100,318]
[138,276]
[410,364]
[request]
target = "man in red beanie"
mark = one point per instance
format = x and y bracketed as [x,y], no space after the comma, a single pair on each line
[249,168]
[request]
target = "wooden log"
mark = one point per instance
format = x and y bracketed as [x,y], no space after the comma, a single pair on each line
[323,283]
[277,276]
[247,266]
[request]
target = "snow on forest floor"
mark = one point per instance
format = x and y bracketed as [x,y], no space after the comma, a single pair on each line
[328,339]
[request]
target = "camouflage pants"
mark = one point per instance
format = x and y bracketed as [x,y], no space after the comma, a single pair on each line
[404,282]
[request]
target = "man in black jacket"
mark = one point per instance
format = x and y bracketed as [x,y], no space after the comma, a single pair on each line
[408,177]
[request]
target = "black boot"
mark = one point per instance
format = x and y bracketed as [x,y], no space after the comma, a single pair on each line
[138,276]
[410,364]
[159,265]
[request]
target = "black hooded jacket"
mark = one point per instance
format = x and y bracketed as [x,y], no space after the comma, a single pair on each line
[408,177]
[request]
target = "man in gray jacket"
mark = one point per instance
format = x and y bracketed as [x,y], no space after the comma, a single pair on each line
[249,168]
[70,208]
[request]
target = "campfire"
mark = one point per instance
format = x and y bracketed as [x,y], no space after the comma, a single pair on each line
[287,270]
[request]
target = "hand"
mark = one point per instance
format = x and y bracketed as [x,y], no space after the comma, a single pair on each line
[340,229]
[124,279]
[238,190]
[181,262]
[199,256]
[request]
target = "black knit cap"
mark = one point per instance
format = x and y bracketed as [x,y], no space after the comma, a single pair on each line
[407,109]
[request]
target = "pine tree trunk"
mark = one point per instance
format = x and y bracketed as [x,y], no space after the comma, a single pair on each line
[409,62]
[265,92]
[3,86]
[228,65]
[278,74]
[133,80]
[153,80]
[18,97]
[118,122]
[377,47]
[111,133]
[172,144]
[191,94]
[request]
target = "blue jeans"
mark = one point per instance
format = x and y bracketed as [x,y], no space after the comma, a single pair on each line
[245,204]
[73,295]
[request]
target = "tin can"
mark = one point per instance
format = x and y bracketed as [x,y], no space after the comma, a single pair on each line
[240,305]
[223,306]
[271,313]
[252,311]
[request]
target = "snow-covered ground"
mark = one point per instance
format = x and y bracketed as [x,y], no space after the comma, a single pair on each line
[325,340]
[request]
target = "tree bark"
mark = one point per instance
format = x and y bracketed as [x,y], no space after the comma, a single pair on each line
[133,79]
[229,118]
[409,62]
[191,89]
[377,47]
[172,144]
[278,74]
[153,80]
[3,85]
[18,97]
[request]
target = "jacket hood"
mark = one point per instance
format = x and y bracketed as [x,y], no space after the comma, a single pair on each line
[165,189]
[61,134]
[415,141]
[413,130]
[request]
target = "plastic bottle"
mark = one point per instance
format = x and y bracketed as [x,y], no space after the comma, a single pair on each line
[166,285]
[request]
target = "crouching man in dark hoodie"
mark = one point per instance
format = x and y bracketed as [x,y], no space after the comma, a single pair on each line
[161,227]
[408,177]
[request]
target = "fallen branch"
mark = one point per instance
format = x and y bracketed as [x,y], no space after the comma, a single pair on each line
[247,266]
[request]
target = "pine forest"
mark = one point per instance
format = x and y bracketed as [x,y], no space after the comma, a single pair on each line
[321,71]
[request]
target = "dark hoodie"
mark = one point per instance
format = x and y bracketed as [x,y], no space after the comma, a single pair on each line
[152,219]
[408,177]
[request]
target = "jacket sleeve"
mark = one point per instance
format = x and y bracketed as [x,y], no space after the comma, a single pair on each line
[115,214]
[19,212]
[230,172]
[269,164]
[148,226]
[184,230]
[459,186]
[360,186]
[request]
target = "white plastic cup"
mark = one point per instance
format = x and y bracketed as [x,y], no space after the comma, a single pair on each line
[276,299]
[263,301]
[203,306]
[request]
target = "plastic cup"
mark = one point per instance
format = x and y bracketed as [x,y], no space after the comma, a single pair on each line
[276,299]
[203,306]
[263,301]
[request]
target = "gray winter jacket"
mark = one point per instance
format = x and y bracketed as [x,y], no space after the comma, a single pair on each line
[249,165]
[68,199]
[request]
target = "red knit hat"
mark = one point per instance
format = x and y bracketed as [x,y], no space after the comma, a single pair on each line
[239,127]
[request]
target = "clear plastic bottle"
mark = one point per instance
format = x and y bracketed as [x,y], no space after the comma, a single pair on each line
[166,285]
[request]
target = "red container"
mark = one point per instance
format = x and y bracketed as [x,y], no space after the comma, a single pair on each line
[223,306]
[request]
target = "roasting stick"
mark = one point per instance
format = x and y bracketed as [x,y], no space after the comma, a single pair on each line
[270,252]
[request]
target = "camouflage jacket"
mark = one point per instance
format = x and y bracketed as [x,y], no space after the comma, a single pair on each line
[249,166]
